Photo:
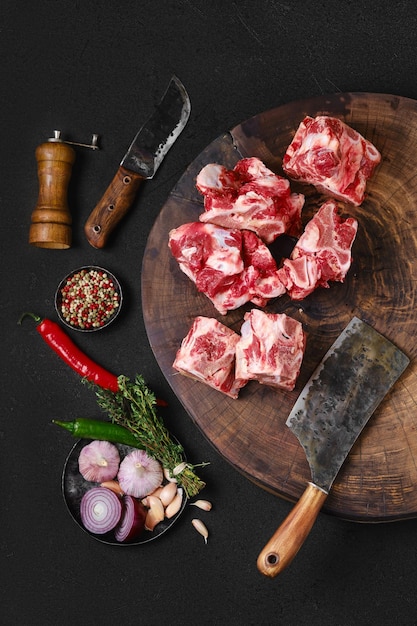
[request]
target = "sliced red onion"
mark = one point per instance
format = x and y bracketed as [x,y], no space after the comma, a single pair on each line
[100,510]
[132,521]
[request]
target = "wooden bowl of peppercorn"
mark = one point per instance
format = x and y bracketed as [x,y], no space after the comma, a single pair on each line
[88,299]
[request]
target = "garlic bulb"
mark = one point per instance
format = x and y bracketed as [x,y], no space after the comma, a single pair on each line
[99,461]
[139,474]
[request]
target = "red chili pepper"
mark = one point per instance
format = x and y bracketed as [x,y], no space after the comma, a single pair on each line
[63,345]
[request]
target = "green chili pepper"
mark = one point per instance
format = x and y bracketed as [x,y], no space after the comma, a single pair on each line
[104,431]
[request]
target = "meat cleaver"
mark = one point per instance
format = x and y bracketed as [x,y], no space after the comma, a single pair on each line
[327,418]
[140,162]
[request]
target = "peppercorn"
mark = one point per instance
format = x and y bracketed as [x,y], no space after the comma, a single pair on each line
[89,298]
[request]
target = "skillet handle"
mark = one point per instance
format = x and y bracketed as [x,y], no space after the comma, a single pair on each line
[290,536]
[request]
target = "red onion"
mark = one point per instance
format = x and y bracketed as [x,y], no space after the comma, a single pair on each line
[100,510]
[132,521]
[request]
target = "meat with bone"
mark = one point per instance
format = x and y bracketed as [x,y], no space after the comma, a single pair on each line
[250,197]
[270,350]
[322,254]
[230,266]
[333,157]
[208,354]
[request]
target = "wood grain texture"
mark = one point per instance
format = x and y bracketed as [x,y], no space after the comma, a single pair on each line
[378,481]
[113,206]
[51,218]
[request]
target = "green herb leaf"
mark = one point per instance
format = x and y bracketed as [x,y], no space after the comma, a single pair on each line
[133,407]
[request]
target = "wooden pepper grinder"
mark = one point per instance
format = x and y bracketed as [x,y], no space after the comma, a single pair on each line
[51,218]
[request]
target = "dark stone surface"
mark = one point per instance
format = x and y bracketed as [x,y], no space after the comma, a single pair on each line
[84,68]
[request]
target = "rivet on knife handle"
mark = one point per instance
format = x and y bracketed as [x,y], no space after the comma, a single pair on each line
[290,536]
[112,207]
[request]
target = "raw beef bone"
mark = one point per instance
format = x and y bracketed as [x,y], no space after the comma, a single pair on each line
[322,254]
[333,157]
[250,197]
[208,355]
[230,266]
[270,350]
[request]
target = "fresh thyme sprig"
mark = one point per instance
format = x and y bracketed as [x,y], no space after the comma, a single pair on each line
[133,407]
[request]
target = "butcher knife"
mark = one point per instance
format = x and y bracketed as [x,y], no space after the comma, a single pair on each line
[140,162]
[327,418]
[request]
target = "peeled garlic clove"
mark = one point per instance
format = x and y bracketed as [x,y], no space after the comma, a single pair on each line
[168,493]
[175,505]
[155,514]
[200,528]
[205,505]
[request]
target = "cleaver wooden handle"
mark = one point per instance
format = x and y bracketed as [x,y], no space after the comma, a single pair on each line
[117,200]
[290,536]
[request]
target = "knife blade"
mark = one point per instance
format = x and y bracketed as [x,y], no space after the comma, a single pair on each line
[330,413]
[140,162]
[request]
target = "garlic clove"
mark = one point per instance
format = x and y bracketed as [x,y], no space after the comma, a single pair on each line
[179,468]
[167,474]
[200,528]
[157,491]
[205,505]
[155,513]
[113,485]
[175,505]
[167,493]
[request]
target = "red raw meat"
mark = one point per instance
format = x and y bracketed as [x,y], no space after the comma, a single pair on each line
[208,354]
[230,266]
[270,350]
[250,197]
[322,254]
[333,157]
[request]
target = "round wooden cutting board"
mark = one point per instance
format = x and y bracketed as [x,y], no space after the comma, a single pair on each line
[378,481]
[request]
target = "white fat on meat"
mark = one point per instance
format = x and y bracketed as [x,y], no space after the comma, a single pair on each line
[208,354]
[230,266]
[270,350]
[332,156]
[250,197]
[322,254]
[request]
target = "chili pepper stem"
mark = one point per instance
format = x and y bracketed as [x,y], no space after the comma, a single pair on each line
[32,315]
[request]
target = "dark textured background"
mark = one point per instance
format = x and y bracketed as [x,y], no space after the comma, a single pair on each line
[98,67]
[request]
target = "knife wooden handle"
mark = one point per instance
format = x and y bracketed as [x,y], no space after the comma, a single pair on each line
[290,536]
[114,205]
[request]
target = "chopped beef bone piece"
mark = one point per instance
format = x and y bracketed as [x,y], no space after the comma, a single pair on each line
[322,254]
[333,157]
[208,354]
[230,266]
[250,197]
[270,350]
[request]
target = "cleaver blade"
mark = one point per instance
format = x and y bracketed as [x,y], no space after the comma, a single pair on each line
[141,162]
[336,403]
